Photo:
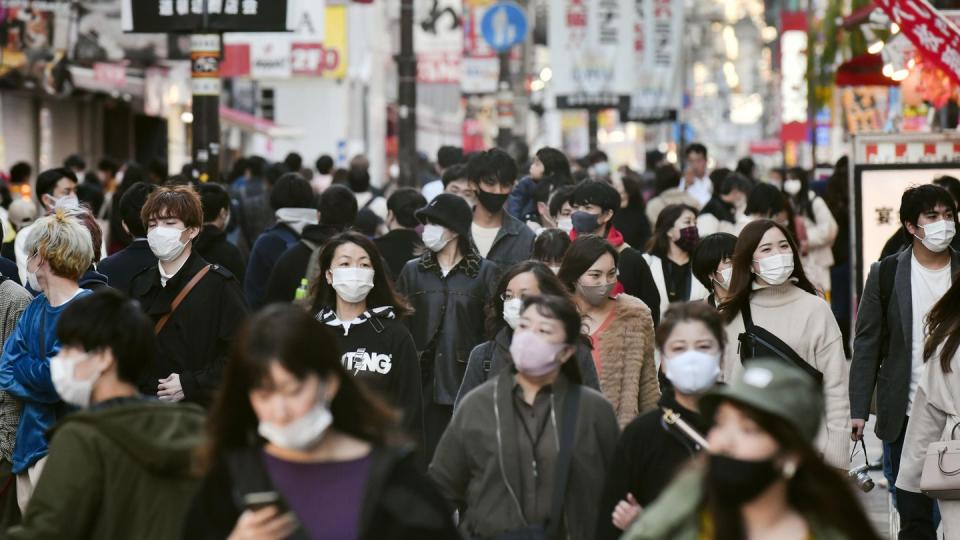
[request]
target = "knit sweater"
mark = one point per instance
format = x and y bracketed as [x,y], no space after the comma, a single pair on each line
[628,375]
[805,323]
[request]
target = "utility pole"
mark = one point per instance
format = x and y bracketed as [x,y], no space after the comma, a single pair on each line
[593,126]
[205,84]
[407,97]
[505,120]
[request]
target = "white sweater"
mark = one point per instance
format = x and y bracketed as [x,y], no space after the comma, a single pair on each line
[805,323]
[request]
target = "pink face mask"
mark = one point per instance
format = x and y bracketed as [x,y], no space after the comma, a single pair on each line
[533,355]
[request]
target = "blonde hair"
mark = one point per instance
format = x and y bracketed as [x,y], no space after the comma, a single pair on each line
[62,240]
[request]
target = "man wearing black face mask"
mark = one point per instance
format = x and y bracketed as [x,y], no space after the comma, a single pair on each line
[500,237]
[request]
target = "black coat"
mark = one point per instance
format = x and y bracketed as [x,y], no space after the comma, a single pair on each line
[213,246]
[397,247]
[650,452]
[399,502]
[122,266]
[637,281]
[196,339]
[633,225]
[448,316]
[291,267]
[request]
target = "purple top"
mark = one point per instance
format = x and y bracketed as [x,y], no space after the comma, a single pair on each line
[326,497]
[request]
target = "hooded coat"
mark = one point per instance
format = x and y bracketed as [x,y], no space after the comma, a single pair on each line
[119,470]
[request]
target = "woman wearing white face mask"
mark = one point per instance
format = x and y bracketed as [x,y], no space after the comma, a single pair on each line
[770,286]
[106,344]
[712,264]
[449,286]
[355,298]
[298,449]
[820,226]
[500,460]
[651,451]
[520,281]
[620,327]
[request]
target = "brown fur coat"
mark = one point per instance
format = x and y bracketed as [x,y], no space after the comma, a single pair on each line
[628,374]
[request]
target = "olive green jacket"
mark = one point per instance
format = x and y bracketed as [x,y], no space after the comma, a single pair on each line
[676,514]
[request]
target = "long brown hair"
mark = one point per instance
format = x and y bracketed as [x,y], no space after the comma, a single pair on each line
[943,327]
[815,491]
[286,334]
[741,284]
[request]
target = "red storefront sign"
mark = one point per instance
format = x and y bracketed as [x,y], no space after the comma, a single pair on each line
[934,35]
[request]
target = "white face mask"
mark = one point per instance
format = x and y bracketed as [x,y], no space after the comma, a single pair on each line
[692,371]
[565,224]
[301,434]
[71,390]
[792,187]
[433,237]
[776,269]
[165,242]
[555,269]
[68,202]
[725,276]
[938,235]
[511,312]
[352,284]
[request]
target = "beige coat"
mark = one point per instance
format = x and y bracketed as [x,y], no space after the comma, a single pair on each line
[806,323]
[628,376]
[820,238]
[936,410]
[665,199]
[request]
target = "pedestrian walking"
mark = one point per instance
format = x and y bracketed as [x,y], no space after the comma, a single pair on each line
[675,236]
[324,464]
[55,187]
[356,300]
[888,353]
[196,307]
[212,243]
[102,475]
[620,327]
[761,476]
[656,446]
[60,250]
[527,451]
[550,247]
[820,226]
[292,201]
[131,260]
[712,265]
[499,237]
[14,300]
[771,300]
[403,241]
[488,359]
[448,287]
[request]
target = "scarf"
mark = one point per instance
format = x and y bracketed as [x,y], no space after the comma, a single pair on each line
[297,218]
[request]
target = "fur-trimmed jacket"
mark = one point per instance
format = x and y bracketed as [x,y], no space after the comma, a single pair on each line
[628,374]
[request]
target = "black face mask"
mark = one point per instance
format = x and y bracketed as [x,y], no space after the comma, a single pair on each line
[736,481]
[689,238]
[585,222]
[493,202]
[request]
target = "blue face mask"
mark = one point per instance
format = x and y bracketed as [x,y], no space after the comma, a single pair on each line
[585,222]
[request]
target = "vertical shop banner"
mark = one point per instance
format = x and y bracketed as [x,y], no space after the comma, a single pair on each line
[934,35]
[658,43]
[479,66]
[438,40]
[592,52]
[794,119]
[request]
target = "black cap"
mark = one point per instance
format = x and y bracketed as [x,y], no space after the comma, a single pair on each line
[448,210]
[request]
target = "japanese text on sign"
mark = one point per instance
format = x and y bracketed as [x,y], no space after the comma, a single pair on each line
[934,35]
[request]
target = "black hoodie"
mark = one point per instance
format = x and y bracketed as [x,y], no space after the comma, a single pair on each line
[378,349]
[291,267]
[213,246]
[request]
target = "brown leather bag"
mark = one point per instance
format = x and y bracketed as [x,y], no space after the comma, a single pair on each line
[183,294]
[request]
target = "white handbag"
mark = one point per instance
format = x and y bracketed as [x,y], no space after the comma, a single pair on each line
[940,478]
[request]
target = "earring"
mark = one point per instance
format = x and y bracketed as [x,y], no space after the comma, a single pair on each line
[789,469]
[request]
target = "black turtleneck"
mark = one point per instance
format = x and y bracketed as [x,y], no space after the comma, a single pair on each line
[648,456]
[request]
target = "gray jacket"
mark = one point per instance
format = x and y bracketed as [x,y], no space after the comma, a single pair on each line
[890,375]
[513,244]
[489,358]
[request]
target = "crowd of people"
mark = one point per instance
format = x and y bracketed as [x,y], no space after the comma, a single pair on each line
[520,348]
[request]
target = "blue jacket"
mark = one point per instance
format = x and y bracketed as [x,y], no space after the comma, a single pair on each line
[520,203]
[26,374]
[263,257]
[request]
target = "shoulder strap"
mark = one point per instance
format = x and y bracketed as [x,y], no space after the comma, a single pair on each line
[369,202]
[179,299]
[756,337]
[568,428]
[488,357]
[888,273]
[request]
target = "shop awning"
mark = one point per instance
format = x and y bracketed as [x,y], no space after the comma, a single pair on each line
[863,70]
[248,122]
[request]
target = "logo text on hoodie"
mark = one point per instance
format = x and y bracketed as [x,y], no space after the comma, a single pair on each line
[361,360]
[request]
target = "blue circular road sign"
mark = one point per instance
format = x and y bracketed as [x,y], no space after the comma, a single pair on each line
[504,25]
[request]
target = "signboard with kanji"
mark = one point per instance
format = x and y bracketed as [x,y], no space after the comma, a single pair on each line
[934,35]
[168,16]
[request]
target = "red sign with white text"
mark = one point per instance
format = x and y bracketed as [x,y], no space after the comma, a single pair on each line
[934,35]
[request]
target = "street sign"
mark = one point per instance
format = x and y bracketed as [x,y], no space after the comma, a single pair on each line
[187,16]
[504,25]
